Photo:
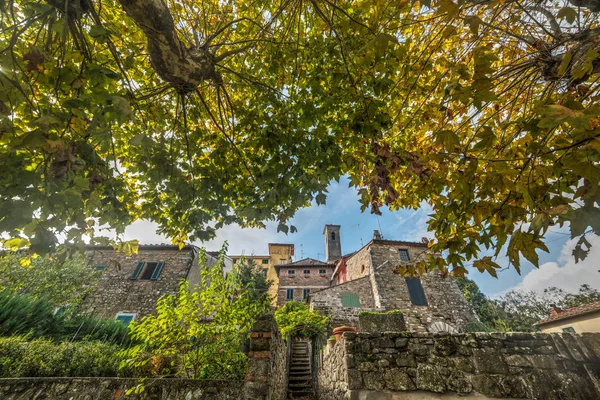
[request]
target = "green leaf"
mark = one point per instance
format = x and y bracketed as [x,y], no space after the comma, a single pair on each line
[567,13]
[487,265]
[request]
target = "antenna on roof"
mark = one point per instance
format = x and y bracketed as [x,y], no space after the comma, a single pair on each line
[358,226]
[301,251]
[378,224]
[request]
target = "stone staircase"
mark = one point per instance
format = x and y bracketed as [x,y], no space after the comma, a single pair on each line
[300,385]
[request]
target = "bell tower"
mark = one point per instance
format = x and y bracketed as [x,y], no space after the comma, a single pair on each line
[333,245]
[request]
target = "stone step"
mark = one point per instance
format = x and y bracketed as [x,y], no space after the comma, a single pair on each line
[300,369]
[300,394]
[300,372]
[300,378]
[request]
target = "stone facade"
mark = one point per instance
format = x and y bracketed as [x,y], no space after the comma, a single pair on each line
[115,291]
[317,278]
[483,365]
[115,389]
[329,301]
[376,262]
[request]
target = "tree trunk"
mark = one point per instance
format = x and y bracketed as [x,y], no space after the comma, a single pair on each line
[184,68]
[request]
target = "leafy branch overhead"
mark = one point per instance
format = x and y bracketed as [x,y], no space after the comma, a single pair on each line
[196,114]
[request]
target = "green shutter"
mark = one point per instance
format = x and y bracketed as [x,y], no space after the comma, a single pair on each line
[157,271]
[138,270]
[350,300]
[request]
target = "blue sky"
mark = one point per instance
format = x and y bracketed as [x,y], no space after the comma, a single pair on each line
[342,208]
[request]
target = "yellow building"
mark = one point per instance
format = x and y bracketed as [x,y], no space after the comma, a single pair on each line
[585,318]
[279,253]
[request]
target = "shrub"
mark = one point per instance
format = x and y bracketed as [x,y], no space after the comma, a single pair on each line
[295,317]
[43,358]
[476,326]
[25,315]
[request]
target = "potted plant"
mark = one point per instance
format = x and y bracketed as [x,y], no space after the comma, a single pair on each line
[331,341]
[341,329]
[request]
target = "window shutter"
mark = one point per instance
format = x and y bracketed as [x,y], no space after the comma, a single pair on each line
[157,271]
[350,300]
[137,271]
[415,290]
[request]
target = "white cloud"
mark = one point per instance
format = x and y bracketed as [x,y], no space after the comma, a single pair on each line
[565,273]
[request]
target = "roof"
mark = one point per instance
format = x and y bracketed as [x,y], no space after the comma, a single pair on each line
[304,262]
[572,312]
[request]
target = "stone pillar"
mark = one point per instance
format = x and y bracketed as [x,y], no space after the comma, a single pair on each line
[256,385]
[266,377]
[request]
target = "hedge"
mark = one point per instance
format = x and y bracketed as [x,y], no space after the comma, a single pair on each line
[46,358]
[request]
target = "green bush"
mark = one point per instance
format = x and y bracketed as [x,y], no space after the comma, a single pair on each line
[25,315]
[296,319]
[43,358]
[476,326]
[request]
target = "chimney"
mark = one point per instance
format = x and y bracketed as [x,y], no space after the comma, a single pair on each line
[554,310]
[333,246]
[376,235]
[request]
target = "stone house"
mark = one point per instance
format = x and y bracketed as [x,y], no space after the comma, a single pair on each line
[130,285]
[279,253]
[365,280]
[300,278]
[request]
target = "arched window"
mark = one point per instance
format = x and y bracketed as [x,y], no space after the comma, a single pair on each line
[350,300]
[332,235]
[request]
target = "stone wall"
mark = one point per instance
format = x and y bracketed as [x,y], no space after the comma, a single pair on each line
[333,377]
[482,365]
[116,292]
[445,300]
[266,377]
[115,388]
[358,265]
[329,301]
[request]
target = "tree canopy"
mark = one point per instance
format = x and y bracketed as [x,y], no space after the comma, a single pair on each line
[195,114]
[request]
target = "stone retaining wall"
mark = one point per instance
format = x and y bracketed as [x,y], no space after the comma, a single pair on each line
[116,388]
[516,365]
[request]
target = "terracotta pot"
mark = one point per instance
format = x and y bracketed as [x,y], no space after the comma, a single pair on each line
[341,329]
[331,342]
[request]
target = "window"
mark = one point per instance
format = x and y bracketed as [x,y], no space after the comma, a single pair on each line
[568,329]
[404,255]
[350,300]
[291,271]
[289,294]
[264,271]
[151,270]
[322,271]
[362,268]
[305,293]
[415,291]
[307,272]
[125,318]
[265,261]
[100,267]
[281,261]
[332,235]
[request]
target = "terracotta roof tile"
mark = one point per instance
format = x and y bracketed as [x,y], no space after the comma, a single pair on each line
[304,261]
[572,312]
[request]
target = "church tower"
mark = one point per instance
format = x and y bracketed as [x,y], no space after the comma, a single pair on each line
[333,246]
